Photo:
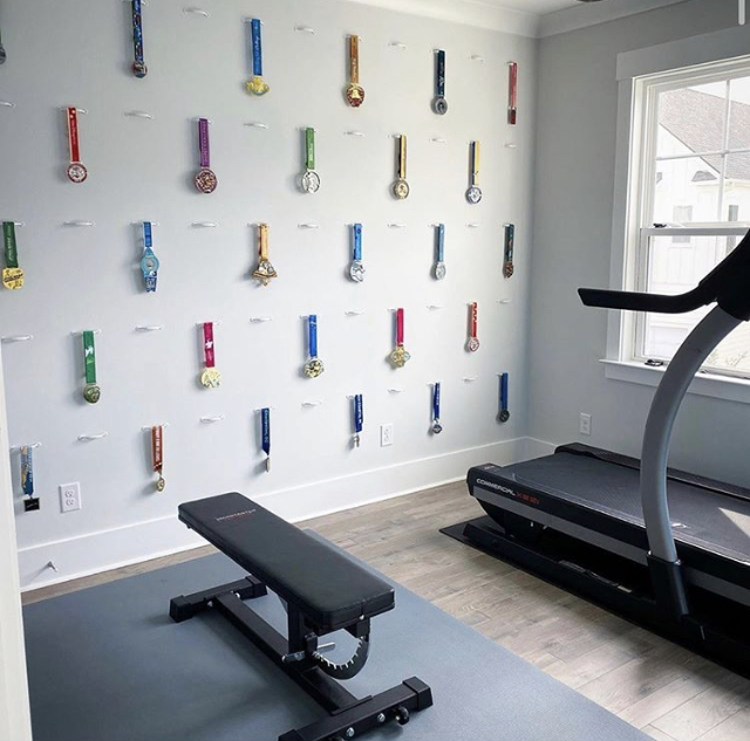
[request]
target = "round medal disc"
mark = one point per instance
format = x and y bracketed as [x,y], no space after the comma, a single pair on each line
[440,271]
[161,484]
[440,105]
[310,181]
[357,271]
[211,378]
[401,189]
[474,195]
[508,270]
[437,428]
[13,278]
[257,86]
[504,416]
[473,344]
[355,95]
[205,180]
[139,69]
[399,357]
[77,172]
[313,367]
[92,393]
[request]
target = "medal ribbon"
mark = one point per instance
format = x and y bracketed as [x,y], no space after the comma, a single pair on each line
[157,448]
[441,243]
[510,233]
[310,149]
[359,415]
[257,48]
[402,157]
[263,241]
[474,319]
[504,392]
[513,94]
[441,73]
[147,239]
[203,144]
[474,162]
[312,335]
[89,356]
[265,420]
[208,344]
[73,143]
[27,471]
[354,59]
[358,241]
[9,240]
[137,32]
[400,328]
[436,401]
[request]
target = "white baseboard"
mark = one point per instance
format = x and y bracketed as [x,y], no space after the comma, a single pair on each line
[100,551]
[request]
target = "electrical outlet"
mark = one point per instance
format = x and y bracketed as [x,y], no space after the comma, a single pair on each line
[70,497]
[585,425]
[386,435]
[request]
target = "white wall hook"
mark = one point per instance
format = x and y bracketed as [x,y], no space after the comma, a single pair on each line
[148,428]
[511,145]
[213,420]
[33,446]
[260,319]
[433,226]
[91,438]
[472,226]
[17,338]
[438,140]
[434,307]
[470,379]
[138,114]
[78,333]
[204,225]
[82,111]
[260,409]
[357,134]
[198,118]
[315,403]
[256,125]
[7,104]
[216,323]
[149,328]
[397,226]
[477,58]
[196,11]
[398,45]
[305,29]
[79,223]
[354,312]
[308,226]
[505,300]
[141,223]
[395,391]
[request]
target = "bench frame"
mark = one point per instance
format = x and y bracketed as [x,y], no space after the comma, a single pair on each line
[348,716]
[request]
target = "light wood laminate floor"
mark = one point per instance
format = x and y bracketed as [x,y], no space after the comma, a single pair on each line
[670,693]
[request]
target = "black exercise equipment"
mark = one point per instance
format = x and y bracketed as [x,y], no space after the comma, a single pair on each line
[664,548]
[322,590]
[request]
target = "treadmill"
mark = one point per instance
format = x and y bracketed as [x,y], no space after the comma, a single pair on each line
[663,548]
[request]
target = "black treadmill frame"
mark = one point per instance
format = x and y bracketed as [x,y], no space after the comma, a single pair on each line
[348,716]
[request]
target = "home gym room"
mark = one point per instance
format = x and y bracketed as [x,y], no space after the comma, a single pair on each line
[428,422]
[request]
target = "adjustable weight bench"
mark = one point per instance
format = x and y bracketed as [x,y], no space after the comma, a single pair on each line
[322,590]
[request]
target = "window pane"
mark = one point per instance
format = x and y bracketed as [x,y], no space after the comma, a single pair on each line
[737,188]
[739,113]
[691,120]
[689,187]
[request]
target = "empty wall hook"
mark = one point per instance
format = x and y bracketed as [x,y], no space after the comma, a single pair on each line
[196,11]
[7,104]
[213,420]
[305,29]
[138,114]
[260,319]
[149,328]
[92,437]
[256,125]
[79,222]
[17,338]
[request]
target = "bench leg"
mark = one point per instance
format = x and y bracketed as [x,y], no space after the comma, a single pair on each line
[185,607]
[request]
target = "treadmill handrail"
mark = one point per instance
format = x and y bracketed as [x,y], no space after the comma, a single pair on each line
[650,302]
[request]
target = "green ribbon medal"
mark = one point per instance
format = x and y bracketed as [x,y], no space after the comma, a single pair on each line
[91,392]
[12,274]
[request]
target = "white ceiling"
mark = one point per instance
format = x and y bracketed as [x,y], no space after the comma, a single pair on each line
[533,6]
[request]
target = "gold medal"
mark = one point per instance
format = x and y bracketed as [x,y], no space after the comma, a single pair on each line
[13,278]
[211,378]
[355,93]
[314,368]
[265,270]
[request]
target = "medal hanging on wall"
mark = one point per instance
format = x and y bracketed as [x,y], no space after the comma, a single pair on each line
[512,93]
[157,455]
[474,193]
[257,85]
[440,252]
[400,187]
[310,180]
[359,420]
[439,103]
[210,376]
[91,391]
[504,414]
[12,274]
[399,357]
[473,343]
[76,171]
[139,66]
[357,269]
[149,261]
[354,93]
[510,235]
[265,271]
[205,179]
[30,503]
[314,365]
[265,425]
[436,427]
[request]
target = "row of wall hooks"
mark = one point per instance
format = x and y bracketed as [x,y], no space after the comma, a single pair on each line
[85,223]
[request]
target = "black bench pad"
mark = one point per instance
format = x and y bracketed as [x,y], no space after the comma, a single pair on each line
[332,591]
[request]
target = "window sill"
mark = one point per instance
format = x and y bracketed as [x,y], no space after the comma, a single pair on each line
[717,387]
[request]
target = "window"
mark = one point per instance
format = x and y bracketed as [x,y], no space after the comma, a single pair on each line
[690,169]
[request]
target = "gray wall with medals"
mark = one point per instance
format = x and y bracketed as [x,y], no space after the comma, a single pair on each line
[142,168]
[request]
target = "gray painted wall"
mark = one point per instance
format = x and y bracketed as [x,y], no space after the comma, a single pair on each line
[574,182]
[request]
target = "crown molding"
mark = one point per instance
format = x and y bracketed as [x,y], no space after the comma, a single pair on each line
[571,19]
[468,12]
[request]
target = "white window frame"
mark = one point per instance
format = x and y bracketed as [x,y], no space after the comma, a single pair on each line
[722,53]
